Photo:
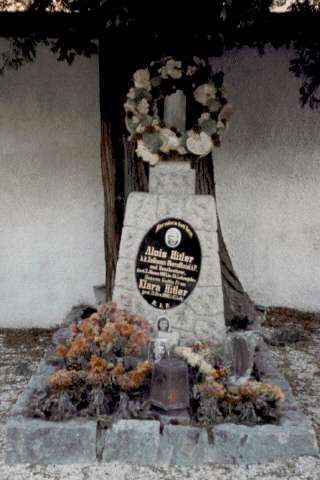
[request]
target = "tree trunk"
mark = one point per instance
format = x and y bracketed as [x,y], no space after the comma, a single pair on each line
[120,174]
[123,173]
[239,308]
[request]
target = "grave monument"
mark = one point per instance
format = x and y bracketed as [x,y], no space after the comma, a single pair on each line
[168,259]
[169,272]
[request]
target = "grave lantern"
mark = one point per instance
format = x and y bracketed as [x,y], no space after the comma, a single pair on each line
[170,385]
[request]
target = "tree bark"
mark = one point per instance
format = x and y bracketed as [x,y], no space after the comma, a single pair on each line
[123,173]
[238,307]
[120,174]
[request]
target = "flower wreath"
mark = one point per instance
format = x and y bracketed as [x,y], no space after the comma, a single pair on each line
[209,110]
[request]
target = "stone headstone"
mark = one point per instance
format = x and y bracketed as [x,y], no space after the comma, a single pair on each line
[240,350]
[168,259]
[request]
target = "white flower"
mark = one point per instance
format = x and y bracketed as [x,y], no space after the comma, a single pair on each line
[181,150]
[174,68]
[170,141]
[144,153]
[163,72]
[155,123]
[199,143]
[199,61]
[132,93]
[205,368]
[204,93]
[194,360]
[191,70]
[135,120]
[143,107]
[130,106]
[204,116]
[141,79]
[140,128]
[171,69]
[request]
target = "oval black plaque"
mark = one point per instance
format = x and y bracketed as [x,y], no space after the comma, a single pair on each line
[168,263]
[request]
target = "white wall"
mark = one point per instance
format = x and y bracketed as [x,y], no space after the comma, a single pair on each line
[268,181]
[51,202]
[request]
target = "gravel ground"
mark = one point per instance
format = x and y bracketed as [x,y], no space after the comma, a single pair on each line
[294,340]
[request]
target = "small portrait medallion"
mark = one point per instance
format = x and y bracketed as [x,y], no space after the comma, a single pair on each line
[173,237]
[163,324]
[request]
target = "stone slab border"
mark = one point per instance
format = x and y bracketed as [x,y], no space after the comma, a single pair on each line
[80,441]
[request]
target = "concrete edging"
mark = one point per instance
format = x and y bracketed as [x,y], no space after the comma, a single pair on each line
[37,441]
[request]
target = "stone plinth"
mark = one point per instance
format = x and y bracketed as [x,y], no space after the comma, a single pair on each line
[201,315]
[172,177]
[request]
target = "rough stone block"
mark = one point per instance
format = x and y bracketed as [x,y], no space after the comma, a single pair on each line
[198,210]
[37,382]
[210,273]
[35,441]
[206,325]
[172,178]
[62,335]
[141,210]
[208,243]
[171,205]
[126,273]
[265,443]
[202,210]
[206,300]
[45,368]
[178,445]
[132,441]
[131,238]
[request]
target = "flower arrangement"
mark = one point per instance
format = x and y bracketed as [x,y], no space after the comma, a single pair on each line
[104,371]
[145,102]
[104,359]
[197,360]
[214,400]
[99,345]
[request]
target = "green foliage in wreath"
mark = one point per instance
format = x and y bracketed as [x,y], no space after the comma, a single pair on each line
[208,110]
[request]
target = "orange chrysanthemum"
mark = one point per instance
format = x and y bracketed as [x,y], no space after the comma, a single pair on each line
[210,388]
[271,391]
[107,334]
[125,383]
[118,370]
[221,373]
[141,322]
[61,350]
[63,379]
[94,318]
[135,378]
[124,328]
[87,328]
[79,345]
[104,311]
[99,365]
[137,342]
